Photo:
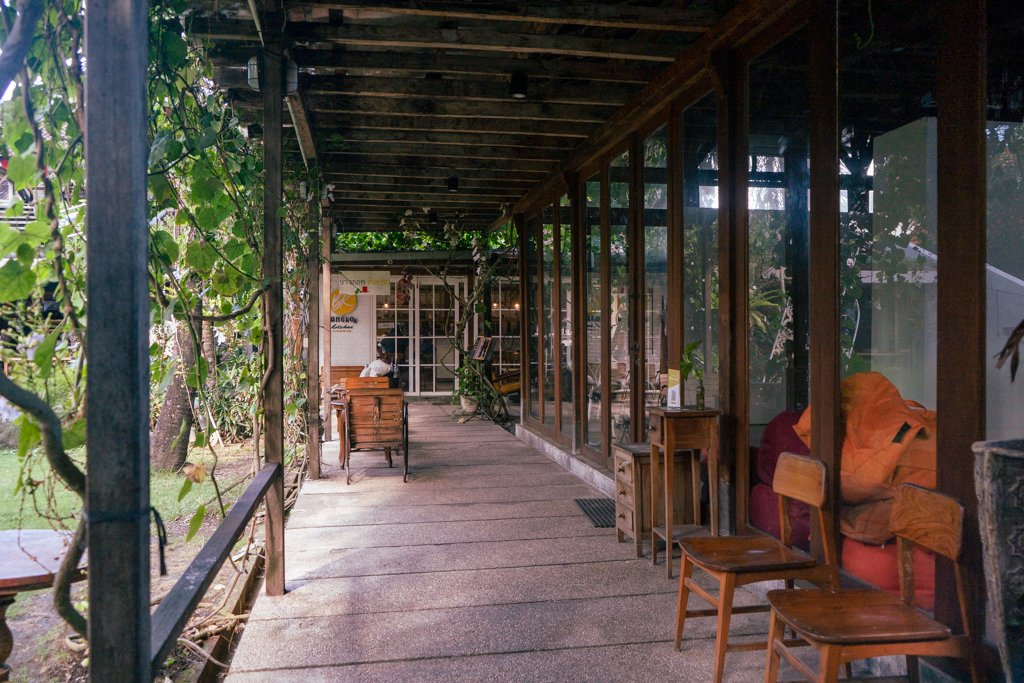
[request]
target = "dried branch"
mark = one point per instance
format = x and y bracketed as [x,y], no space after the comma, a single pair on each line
[19,41]
[1012,351]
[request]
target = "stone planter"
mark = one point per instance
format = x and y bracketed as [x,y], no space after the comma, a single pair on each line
[999,483]
[469,404]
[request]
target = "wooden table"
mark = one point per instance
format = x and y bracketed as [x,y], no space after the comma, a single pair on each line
[672,429]
[29,561]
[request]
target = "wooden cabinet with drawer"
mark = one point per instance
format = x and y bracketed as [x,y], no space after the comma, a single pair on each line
[633,492]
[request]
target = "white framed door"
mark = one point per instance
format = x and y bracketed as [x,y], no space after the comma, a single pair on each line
[434,356]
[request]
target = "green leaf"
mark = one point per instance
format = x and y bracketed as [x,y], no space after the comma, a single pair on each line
[21,171]
[208,137]
[28,437]
[195,523]
[227,282]
[175,49]
[193,379]
[201,439]
[43,356]
[233,249]
[16,209]
[26,254]
[38,231]
[168,376]
[208,218]
[186,486]
[165,244]
[200,256]
[74,436]
[158,150]
[282,212]
[16,282]
[161,189]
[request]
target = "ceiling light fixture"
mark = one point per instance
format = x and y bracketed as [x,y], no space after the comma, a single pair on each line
[453,184]
[432,217]
[517,85]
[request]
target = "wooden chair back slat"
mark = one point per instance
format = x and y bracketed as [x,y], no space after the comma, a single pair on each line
[375,415]
[348,383]
[340,372]
[929,519]
[800,478]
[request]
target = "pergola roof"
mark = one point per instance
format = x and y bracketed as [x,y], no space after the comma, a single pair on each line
[396,96]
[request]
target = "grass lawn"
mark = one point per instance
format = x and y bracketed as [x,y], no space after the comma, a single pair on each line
[17,510]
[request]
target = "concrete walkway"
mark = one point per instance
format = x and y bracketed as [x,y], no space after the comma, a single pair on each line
[480,568]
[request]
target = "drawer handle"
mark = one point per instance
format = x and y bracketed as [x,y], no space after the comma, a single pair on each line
[622,516]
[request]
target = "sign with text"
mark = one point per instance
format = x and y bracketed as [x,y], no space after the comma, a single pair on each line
[363,282]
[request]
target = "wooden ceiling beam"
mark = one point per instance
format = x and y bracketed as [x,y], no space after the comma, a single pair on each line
[303,128]
[481,208]
[360,167]
[566,132]
[344,193]
[443,164]
[466,185]
[441,190]
[398,64]
[589,14]
[429,38]
[444,138]
[386,148]
[512,109]
[446,89]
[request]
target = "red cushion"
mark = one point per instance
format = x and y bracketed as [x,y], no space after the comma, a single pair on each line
[877,565]
[764,514]
[778,438]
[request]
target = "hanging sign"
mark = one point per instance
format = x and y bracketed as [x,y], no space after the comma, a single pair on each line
[365,282]
[343,303]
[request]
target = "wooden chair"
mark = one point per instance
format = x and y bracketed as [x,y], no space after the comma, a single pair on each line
[847,625]
[739,560]
[374,419]
[340,372]
[346,383]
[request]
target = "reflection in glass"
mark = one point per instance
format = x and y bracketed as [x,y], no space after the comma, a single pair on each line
[592,353]
[618,195]
[565,312]
[532,314]
[655,168]
[700,250]
[547,315]
[778,231]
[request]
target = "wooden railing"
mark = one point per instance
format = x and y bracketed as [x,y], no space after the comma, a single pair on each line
[176,609]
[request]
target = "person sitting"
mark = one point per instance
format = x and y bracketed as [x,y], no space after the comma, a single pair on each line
[377,368]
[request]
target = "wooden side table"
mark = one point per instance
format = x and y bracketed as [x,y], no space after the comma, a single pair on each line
[633,492]
[672,429]
[29,560]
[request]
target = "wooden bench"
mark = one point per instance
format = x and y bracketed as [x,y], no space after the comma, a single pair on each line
[374,419]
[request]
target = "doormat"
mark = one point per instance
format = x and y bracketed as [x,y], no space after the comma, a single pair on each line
[600,511]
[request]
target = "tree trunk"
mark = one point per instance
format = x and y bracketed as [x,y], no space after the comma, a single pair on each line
[168,450]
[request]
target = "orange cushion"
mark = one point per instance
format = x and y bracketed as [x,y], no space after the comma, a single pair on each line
[877,565]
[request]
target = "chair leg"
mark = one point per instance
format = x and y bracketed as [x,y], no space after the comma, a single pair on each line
[348,463]
[684,597]
[913,672]
[776,633]
[387,456]
[405,465]
[830,661]
[727,586]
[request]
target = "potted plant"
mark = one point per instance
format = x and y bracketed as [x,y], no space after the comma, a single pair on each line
[686,366]
[999,484]
[469,386]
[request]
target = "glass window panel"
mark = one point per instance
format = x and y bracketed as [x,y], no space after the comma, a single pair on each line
[548,312]
[426,323]
[427,378]
[592,266]
[655,171]
[700,250]
[888,258]
[565,309]
[426,296]
[778,231]
[618,195]
[1005,274]
[533,315]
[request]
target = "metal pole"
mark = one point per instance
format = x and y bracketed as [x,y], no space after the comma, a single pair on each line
[117,394]
[273,397]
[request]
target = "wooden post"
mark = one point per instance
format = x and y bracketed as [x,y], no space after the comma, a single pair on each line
[823,305]
[960,376]
[731,80]
[578,302]
[606,319]
[313,344]
[676,241]
[325,299]
[117,394]
[273,395]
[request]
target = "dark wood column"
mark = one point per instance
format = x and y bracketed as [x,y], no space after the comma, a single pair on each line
[823,305]
[730,78]
[273,394]
[325,299]
[961,87]
[313,344]
[676,241]
[524,341]
[117,394]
